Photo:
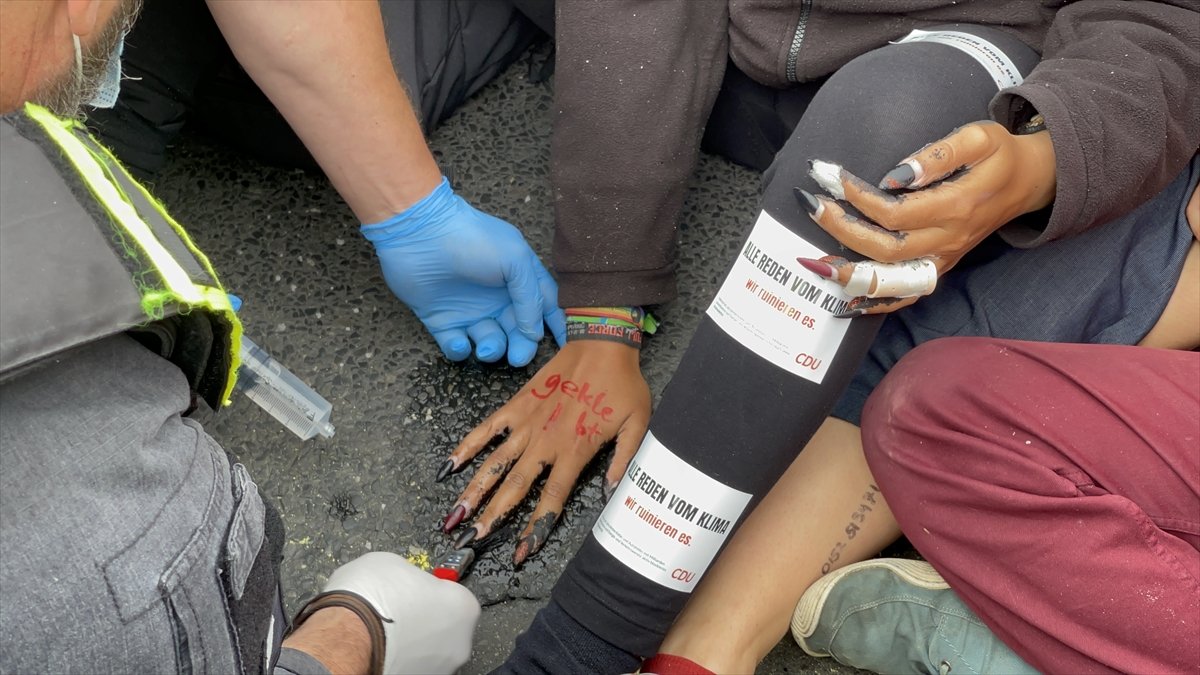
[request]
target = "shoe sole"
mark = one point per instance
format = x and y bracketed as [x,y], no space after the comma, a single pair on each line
[808,611]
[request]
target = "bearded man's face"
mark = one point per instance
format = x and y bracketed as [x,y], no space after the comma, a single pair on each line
[66,94]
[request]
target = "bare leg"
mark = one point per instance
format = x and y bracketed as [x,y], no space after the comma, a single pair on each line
[825,512]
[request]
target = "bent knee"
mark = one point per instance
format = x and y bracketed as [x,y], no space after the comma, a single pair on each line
[930,393]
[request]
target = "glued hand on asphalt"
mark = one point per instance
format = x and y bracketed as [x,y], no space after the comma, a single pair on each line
[590,393]
[938,203]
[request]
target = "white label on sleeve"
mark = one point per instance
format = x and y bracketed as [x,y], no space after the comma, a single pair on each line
[993,59]
[666,519]
[776,308]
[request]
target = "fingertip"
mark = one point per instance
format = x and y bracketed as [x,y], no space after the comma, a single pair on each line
[490,350]
[520,350]
[829,176]
[454,344]
[490,340]
[900,177]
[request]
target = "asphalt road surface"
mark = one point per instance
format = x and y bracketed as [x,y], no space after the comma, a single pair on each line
[283,240]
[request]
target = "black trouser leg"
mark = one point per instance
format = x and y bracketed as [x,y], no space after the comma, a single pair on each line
[173,46]
[181,71]
[732,415]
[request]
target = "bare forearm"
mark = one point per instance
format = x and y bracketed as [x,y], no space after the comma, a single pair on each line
[325,65]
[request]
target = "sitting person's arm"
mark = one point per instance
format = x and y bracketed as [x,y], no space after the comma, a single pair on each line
[634,83]
[468,276]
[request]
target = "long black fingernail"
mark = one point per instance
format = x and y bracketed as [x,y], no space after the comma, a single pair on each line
[849,314]
[466,537]
[898,178]
[445,471]
[806,200]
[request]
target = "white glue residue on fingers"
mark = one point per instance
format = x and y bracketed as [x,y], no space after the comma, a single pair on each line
[829,176]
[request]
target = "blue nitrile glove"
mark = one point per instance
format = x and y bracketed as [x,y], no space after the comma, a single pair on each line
[469,277]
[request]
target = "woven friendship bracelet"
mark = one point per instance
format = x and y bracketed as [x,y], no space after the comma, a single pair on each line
[606,320]
[612,324]
[631,316]
[583,330]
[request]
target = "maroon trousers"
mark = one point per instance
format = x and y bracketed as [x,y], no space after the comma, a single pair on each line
[1057,489]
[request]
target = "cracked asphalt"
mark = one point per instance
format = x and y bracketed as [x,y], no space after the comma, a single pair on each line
[283,240]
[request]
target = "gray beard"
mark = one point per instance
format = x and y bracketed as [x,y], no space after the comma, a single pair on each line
[64,96]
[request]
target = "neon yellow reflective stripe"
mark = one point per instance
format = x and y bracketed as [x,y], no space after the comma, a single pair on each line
[92,172]
[112,164]
[93,167]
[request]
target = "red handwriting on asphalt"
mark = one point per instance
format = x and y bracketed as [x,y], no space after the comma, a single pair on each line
[555,384]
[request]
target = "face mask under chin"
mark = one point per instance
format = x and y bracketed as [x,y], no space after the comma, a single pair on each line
[108,86]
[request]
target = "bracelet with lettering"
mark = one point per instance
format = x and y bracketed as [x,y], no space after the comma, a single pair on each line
[610,332]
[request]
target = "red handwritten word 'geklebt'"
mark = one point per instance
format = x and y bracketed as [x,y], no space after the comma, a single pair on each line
[579,392]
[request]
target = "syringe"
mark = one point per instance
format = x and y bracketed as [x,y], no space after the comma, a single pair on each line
[276,390]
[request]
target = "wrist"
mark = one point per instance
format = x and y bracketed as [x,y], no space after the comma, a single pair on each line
[1037,166]
[615,353]
[384,193]
[337,637]
[416,217]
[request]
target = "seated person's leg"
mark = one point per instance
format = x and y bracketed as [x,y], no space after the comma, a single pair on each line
[1112,284]
[970,303]
[180,70]
[173,45]
[446,50]
[114,513]
[726,400]
[824,513]
[1055,489]
[443,51]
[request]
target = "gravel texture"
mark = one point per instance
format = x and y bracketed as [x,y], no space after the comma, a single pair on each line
[314,298]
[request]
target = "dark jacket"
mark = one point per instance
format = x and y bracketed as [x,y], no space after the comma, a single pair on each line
[636,81]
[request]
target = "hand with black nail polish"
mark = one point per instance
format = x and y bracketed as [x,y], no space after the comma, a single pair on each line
[938,203]
[590,394]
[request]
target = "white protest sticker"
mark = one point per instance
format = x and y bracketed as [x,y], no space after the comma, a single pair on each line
[666,519]
[776,308]
[993,59]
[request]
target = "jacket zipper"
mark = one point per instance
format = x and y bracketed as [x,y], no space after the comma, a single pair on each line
[797,39]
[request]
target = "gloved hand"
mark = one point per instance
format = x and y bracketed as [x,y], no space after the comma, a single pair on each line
[428,623]
[469,277]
